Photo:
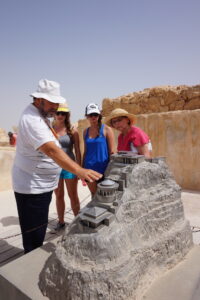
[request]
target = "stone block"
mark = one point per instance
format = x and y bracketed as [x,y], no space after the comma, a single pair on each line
[193,104]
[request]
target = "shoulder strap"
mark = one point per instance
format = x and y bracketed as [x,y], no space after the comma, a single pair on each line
[87,132]
[101,129]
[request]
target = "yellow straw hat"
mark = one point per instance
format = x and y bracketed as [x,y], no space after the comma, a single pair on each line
[63,107]
[119,112]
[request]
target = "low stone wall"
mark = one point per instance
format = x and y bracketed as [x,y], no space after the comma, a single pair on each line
[175,135]
[4,140]
[6,161]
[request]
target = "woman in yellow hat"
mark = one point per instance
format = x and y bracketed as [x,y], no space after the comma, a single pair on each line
[69,140]
[131,138]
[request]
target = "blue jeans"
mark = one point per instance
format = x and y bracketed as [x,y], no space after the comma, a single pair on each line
[33,210]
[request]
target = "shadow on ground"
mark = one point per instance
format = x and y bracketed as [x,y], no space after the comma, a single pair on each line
[8,252]
[11,220]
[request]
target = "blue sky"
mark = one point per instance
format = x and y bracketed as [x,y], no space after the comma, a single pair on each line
[95,49]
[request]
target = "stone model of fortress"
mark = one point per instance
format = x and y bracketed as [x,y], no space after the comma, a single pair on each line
[131,232]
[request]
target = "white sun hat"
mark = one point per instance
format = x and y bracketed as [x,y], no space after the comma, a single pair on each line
[49,90]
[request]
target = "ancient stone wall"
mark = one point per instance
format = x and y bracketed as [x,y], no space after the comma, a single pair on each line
[4,140]
[7,154]
[170,115]
[176,136]
[6,161]
[156,99]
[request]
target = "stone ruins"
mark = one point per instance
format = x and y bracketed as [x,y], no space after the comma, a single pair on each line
[171,117]
[4,140]
[131,232]
[156,100]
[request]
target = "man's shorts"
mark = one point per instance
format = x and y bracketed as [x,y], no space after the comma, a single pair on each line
[66,175]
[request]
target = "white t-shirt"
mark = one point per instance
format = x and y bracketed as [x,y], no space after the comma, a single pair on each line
[33,171]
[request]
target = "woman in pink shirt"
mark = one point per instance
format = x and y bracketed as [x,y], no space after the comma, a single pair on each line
[131,137]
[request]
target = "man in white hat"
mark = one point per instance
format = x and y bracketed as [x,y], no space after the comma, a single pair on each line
[38,163]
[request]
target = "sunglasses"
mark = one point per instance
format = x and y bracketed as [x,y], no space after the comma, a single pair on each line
[117,120]
[93,115]
[62,113]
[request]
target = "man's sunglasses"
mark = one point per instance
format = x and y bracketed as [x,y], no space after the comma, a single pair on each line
[62,113]
[93,115]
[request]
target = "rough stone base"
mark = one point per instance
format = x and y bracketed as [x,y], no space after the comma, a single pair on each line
[148,235]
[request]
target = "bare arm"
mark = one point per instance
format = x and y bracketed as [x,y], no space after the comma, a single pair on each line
[77,147]
[144,150]
[65,162]
[110,139]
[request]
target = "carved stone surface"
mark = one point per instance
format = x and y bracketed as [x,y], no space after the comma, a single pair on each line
[117,251]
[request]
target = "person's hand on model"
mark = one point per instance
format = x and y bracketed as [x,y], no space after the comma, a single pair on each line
[89,175]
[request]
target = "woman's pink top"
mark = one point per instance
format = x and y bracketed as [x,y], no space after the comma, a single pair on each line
[134,138]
